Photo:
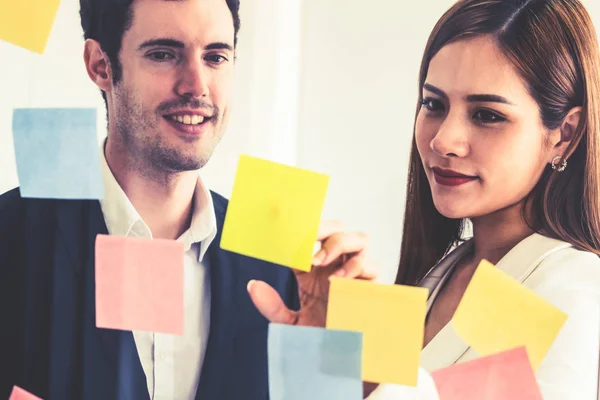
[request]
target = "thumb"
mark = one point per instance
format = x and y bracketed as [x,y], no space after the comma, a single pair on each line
[269,303]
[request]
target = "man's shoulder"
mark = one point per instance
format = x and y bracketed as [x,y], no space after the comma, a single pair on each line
[11,205]
[10,198]
[219,202]
[282,279]
[12,221]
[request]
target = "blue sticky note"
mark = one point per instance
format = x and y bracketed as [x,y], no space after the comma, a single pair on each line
[314,363]
[57,153]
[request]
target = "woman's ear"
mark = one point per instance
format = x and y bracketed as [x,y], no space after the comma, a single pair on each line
[97,65]
[570,124]
[561,137]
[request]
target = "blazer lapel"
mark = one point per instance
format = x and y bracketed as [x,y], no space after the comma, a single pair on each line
[111,365]
[118,367]
[446,348]
[524,258]
[224,286]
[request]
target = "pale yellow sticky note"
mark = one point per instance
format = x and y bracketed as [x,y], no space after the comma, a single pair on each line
[27,23]
[497,313]
[392,320]
[274,212]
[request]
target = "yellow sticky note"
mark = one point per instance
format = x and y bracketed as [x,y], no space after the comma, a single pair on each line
[392,320]
[27,23]
[497,313]
[274,212]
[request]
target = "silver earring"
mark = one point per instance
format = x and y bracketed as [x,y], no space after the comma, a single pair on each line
[560,167]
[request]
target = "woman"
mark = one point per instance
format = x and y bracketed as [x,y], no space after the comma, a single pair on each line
[507,136]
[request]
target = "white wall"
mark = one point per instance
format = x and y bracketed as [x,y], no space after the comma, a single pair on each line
[328,85]
[359,91]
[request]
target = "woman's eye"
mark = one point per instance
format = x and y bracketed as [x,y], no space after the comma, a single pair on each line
[488,117]
[160,56]
[432,104]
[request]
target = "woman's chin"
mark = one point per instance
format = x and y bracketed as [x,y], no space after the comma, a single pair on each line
[451,212]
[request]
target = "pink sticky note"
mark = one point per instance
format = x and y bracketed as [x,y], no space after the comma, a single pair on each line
[20,394]
[139,284]
[506,375]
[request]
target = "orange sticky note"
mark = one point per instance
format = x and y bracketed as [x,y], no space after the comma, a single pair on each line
[20,394]
[497,313]
[27,23]
[139,284]
[392,320]
[501,376]
[274,213]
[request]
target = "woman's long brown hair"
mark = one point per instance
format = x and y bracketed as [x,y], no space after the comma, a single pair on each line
[554,47]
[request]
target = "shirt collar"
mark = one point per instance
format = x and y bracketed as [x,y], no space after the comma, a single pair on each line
[122,218]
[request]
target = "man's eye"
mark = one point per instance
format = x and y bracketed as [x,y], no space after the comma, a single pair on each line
[216,59]
[160,56]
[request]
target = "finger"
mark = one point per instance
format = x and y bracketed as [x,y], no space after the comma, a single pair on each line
[338,244]
[328,228]
[358,267]
[269,303]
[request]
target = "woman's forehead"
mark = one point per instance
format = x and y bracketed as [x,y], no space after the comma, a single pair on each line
[476,66]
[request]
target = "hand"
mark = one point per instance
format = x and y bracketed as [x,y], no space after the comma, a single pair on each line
[341,254]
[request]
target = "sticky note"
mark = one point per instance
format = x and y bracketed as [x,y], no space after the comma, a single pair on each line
[139,284]
[27,23]
[392,319]
[501,376]
[314,363]
[57,153]
[497,313]
[274,212]
[20,394]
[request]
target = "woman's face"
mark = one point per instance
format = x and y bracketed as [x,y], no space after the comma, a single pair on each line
[479,131]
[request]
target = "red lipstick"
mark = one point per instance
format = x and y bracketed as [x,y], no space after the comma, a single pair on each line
[448,177]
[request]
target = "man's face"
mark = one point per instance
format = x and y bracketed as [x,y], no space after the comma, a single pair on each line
[171,106]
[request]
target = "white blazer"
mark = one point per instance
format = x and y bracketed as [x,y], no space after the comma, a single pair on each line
[565,277]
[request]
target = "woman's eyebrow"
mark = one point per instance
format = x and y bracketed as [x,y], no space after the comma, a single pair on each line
[472,98]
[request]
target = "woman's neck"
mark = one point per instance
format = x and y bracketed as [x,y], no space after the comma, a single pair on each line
[494,235]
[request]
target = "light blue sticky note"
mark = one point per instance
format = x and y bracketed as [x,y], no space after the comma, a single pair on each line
[314,363]
[57,153]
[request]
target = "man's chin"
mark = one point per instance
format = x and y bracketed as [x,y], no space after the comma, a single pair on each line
[177,162]
[188,164]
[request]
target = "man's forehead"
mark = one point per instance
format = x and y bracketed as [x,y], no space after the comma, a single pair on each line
[184,20]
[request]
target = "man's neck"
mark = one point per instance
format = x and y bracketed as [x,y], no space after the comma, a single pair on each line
[163,200]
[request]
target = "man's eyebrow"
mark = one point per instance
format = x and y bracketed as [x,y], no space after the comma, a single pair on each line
[219,46]
[162,42]
[167,42]
[472,98]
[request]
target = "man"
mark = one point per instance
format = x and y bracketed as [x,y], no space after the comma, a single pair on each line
[165,69]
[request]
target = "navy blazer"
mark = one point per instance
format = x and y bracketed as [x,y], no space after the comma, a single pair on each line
[49,343]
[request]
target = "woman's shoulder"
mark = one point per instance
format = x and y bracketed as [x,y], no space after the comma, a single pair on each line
[568,268]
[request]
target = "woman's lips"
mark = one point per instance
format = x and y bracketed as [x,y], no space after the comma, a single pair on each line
[447,177]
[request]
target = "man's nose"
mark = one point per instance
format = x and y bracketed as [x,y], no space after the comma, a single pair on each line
[193,80]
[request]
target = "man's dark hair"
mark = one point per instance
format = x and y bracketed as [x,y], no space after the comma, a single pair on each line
[106,21]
